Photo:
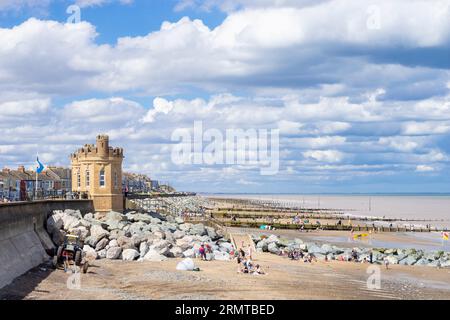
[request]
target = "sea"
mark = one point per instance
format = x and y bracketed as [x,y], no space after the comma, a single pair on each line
[431,207]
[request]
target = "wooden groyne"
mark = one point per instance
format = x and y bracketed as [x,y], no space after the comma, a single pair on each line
[328,227]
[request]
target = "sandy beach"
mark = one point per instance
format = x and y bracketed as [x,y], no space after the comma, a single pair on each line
[286,279]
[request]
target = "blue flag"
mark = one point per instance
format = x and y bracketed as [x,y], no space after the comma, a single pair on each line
[40,168]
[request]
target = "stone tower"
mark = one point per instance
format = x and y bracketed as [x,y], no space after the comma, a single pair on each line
[97,174]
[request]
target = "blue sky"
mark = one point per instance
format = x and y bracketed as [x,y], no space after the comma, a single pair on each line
[359,90]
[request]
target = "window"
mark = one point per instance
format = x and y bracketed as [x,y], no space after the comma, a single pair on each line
[78,179]
[102,178]
[116,180]
[88,178]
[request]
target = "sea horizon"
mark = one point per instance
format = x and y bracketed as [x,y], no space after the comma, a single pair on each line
[443,194]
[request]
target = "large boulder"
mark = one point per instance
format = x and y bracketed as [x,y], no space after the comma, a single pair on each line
[392,259]
[143,249]
[70,222]
[130,254]
[212,233]
[155,221]
[115,216]
[221,256]
[97,234]
[101,254]
[141,218]
[185,227]
[198,229]
[326,249]
[58,237]
[126,243]
[113,253]
[189,253]
[226,247]
[262,246]
[422,262]
[184,243]
[179,220]
[101,244]
[153,255]
[113,243]
[81,231]
[89,216]
[313,248]
[159,234]
[90,252]
[409,260]
[73,213]
[272,239]
[176,252]
[54,223]
[116,234]
[273,248]
[161,246]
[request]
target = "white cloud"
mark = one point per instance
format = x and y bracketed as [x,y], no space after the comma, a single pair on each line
[331,156]
[424,168]
[113,110]
[257,46]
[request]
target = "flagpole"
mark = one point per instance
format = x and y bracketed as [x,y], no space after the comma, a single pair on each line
[36,186]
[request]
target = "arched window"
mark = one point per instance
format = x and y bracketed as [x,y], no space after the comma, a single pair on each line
[102,178]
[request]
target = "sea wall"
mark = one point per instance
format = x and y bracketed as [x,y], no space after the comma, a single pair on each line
[24,242]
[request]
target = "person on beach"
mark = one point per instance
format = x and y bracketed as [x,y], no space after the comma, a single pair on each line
[354,255]
[250,252]
[259,270]
[239,261]
[371,257]
[202,251]
[386,263]
[242,253]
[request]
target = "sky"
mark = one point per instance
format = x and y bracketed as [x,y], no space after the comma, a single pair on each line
[359,90]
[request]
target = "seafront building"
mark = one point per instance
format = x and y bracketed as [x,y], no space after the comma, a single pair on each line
[97,174]
[59,182]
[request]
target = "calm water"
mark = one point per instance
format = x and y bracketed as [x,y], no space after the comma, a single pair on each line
[390,206]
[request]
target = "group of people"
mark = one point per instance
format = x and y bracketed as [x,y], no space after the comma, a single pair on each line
[300,255]
[204,250]
[246,264]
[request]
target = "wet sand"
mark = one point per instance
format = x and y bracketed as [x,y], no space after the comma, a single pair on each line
[219,280]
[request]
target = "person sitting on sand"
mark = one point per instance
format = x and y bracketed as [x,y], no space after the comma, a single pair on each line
[258,270]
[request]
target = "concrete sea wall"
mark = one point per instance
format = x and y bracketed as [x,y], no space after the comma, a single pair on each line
[24,242]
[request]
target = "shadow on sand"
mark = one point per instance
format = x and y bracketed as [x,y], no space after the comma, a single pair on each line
[22,286]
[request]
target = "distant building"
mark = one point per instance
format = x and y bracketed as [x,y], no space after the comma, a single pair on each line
[97,174]
[137,183]
[155,185]
[62,178]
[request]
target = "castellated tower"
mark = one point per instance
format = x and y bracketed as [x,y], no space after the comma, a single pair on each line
[97,174]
